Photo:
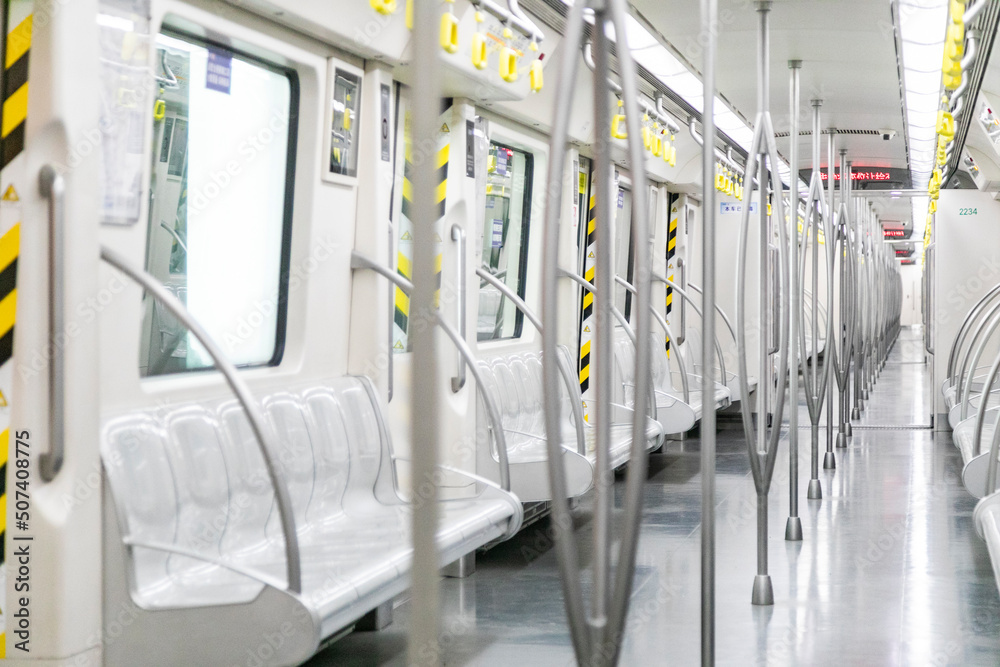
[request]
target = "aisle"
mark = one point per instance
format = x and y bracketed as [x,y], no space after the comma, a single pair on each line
[890,571]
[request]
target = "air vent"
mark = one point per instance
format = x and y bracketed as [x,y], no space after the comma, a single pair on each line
[808,133]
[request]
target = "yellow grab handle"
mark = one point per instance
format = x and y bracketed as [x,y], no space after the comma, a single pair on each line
[383,6]
[409,14]
[673,156]
[951,67]
[647,138]
[535,76]
[479,54]
[957,11]
[657,146]
[618,130]
[953,51]
[936,179]
[952,81]
[946,125]
[932,206]
[508,64]
[956,34]
[449,32]
[159,110]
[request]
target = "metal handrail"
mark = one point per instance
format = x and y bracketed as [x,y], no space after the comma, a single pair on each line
[983,407]
[597,638]
[963,330]
[53,187]
[458,235]
[470,359]
[966,368]
[793,525]
[261,430]
[763,454]
[989,330]
[687,297]
[567,374]
[465,352]
[681,357]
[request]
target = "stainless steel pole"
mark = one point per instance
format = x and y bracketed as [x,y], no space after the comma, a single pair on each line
[793,526]
[709,28]
[423,648]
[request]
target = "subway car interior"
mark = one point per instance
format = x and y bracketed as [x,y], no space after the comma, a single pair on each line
[522,332]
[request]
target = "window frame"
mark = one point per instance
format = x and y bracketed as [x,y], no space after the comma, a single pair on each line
[291,155]
[522,268]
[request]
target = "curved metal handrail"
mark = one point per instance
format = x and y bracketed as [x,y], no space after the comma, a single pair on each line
[687,297]
[989,330]
[597,638]
[360,261]
[261,430]
[763,454]
[963,330]
[504,288]
[681,357]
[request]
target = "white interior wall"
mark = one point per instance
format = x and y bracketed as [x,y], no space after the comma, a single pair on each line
[912,294]
[966,265]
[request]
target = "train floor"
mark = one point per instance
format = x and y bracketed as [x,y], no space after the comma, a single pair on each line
[890,572]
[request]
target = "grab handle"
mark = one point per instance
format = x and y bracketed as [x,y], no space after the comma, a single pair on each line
[458,235]
[53,187]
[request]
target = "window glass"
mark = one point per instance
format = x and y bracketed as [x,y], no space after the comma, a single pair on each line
[220,205]
[623,249]
[345,123]
[505,237]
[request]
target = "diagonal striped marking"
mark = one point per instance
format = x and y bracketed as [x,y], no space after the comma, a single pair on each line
[15,110]
[10,244]
[8,307]
[18,41]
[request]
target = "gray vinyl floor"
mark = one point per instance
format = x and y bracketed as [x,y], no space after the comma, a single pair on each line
[890,572]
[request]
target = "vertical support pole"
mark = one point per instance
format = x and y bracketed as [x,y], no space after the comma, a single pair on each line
[763,593]
[793,526]
[604,332]
[423,649]
[709,28]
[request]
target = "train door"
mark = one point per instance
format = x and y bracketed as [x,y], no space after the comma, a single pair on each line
[458,157]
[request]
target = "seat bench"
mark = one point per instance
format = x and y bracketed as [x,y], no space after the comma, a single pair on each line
[196,511]
[514,381]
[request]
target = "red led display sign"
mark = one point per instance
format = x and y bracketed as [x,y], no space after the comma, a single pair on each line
[860,176]
[894,233]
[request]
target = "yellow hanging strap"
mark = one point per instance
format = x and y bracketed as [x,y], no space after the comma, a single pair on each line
[618,130]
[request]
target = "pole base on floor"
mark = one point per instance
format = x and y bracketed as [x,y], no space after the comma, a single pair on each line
[815,490]
[847,430]
[842,440]
[864,395]
[855,413]
[829,461]
[763,594]
[793,529]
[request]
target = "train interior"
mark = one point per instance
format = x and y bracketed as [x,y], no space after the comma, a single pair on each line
[493,332]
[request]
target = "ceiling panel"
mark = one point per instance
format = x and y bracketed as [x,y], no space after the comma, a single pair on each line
[848,55]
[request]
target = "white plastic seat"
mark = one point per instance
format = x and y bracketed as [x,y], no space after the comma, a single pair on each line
[514,381]
[986,518]
[196,507]
[488,319]
[693,348]
[672,414]
[975,465]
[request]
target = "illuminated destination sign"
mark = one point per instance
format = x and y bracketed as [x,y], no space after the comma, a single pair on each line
[895,233]
[861,176]
[868,178]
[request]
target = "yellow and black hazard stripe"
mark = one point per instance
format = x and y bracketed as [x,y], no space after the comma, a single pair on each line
[587,297]
[10,244]
[404,264]
[671,252]
[15,91]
